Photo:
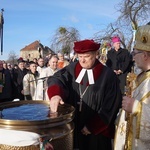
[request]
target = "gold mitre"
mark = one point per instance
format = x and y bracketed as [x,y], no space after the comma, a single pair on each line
[142,38]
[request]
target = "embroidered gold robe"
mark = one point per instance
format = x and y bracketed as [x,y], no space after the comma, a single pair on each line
[139,128]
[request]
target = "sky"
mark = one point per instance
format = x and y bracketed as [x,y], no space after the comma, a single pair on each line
[26,21]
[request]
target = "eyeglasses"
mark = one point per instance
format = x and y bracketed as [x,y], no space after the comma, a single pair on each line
[134,53]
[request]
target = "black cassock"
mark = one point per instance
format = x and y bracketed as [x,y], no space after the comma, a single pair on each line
[120,60]
[101,103]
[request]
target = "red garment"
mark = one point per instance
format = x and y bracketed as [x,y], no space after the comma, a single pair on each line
[60,64]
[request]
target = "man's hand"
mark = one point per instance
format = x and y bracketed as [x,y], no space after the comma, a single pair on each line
[54,102]
[115,71]
[85,131]
[118,72]
[127,104]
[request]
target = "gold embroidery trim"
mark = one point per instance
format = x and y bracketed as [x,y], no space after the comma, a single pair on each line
[8,147]
[118,127]
[130,134]
[139,115]
[141,77]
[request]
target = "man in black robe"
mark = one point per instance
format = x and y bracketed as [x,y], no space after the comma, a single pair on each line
[93,89]
[120,61]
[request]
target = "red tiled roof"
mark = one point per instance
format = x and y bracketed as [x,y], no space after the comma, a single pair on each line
[32,46]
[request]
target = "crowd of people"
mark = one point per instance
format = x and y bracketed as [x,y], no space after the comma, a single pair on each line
[26,80]
[96,90]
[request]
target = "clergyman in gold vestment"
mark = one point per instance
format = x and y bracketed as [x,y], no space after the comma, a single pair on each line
[136,135]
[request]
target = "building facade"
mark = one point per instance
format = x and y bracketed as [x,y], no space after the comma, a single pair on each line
[34,50]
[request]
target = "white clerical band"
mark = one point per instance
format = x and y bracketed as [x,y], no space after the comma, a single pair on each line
[18,138]
[89,74]
[80,76]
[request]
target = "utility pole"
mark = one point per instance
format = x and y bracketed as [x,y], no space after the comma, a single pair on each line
[1,29]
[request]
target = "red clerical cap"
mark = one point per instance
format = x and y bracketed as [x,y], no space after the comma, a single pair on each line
[85,46]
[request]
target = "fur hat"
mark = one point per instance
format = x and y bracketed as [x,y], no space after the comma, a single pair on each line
[86,46]
[142,38]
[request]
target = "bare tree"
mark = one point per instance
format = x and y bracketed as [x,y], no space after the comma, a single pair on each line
[64,38]
[132,14]
[112,29]
[12,58]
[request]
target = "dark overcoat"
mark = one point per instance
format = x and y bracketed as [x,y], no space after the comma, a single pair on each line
[120,60]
